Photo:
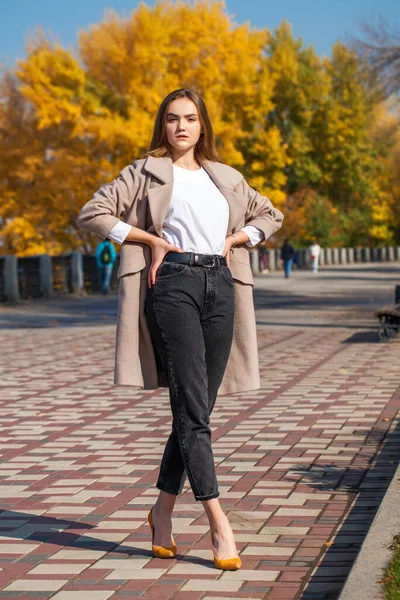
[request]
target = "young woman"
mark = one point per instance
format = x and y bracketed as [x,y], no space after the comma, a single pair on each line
[185,221]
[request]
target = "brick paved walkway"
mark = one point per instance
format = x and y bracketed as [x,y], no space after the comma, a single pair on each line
[302,464]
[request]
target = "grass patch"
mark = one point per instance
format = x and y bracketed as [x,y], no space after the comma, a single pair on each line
[391,577]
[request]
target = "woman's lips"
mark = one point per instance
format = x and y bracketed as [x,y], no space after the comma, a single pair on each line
[181,137]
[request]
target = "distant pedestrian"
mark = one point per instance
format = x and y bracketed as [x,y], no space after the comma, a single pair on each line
[287,254]
[296,258]
[105,259]
[315,250]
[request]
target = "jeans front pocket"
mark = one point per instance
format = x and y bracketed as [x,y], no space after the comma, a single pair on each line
[167,270]
[227,275]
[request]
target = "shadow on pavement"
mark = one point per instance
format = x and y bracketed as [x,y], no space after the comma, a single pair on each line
[49,530]
[350,269]
[274,299]
[324,325]
[46,529]
[364,337]
[66,311]
[38,528]
[367,482]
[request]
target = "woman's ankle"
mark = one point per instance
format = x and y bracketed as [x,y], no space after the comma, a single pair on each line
[220,526]
[164,504]
[222,531]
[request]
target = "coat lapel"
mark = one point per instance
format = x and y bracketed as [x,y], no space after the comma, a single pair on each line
[160,194]
[226,179]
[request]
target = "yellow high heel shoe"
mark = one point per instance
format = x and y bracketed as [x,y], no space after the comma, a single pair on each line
[161,551]
[226,564]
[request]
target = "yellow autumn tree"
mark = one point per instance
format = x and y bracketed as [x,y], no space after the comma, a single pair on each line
[45,154]
[385,135]
[198,47]
[85,117]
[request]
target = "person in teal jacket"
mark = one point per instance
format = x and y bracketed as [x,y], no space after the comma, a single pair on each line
[105,259]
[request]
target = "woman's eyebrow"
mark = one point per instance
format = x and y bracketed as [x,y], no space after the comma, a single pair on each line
[186,116]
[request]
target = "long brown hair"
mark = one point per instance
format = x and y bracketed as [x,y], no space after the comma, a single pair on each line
[205,148]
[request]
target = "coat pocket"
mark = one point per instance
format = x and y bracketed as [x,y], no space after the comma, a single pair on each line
[240,266]
[132,259]
[242,272]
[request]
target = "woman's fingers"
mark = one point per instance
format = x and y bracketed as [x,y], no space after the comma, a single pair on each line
[149,278]
[152,278]
[152,273]
[158,256]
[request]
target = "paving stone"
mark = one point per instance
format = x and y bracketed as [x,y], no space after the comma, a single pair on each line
[30,585]
[127,593]
[84,595]
[211,585]
[267,551]
[55,569]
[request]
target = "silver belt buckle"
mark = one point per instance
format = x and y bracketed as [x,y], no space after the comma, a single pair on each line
[212,265]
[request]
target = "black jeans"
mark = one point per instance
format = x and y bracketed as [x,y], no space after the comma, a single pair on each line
[189,311]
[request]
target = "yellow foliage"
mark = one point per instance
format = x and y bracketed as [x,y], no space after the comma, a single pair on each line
[53,83]
[155,50]
[20,235]
[75,122]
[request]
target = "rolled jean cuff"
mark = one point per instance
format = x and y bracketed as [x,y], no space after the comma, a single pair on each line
[162,489]
[209,497]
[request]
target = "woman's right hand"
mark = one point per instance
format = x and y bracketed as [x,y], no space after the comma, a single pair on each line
[159,248]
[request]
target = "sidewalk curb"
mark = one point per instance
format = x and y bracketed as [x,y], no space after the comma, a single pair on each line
[375,555]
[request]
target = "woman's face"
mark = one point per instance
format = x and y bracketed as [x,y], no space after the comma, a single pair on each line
[182,124]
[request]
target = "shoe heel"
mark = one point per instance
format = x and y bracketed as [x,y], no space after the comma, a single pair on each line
[225,564]
[160,551]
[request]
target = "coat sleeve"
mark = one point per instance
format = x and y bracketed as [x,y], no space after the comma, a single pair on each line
[260,211]
[109,203]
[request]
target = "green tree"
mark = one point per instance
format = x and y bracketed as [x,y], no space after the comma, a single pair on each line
[301,84]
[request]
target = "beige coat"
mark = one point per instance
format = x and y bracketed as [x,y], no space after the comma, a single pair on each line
[141,196]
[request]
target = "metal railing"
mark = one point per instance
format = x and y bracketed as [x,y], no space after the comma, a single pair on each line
[29,278]
[25,278]
[91,275]
[328,256]
[91,281]
[61,273]
[3,296]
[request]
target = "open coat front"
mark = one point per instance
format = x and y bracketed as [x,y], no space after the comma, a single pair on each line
[141,196]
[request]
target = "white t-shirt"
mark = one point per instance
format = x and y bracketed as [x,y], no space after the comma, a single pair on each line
[197,218]
[198,214]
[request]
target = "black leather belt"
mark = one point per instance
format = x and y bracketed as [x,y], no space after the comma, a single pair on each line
[196,260]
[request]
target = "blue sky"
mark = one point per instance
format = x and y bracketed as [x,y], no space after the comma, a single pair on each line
[318,22]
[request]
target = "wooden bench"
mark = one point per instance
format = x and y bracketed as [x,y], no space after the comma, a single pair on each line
[389,319]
